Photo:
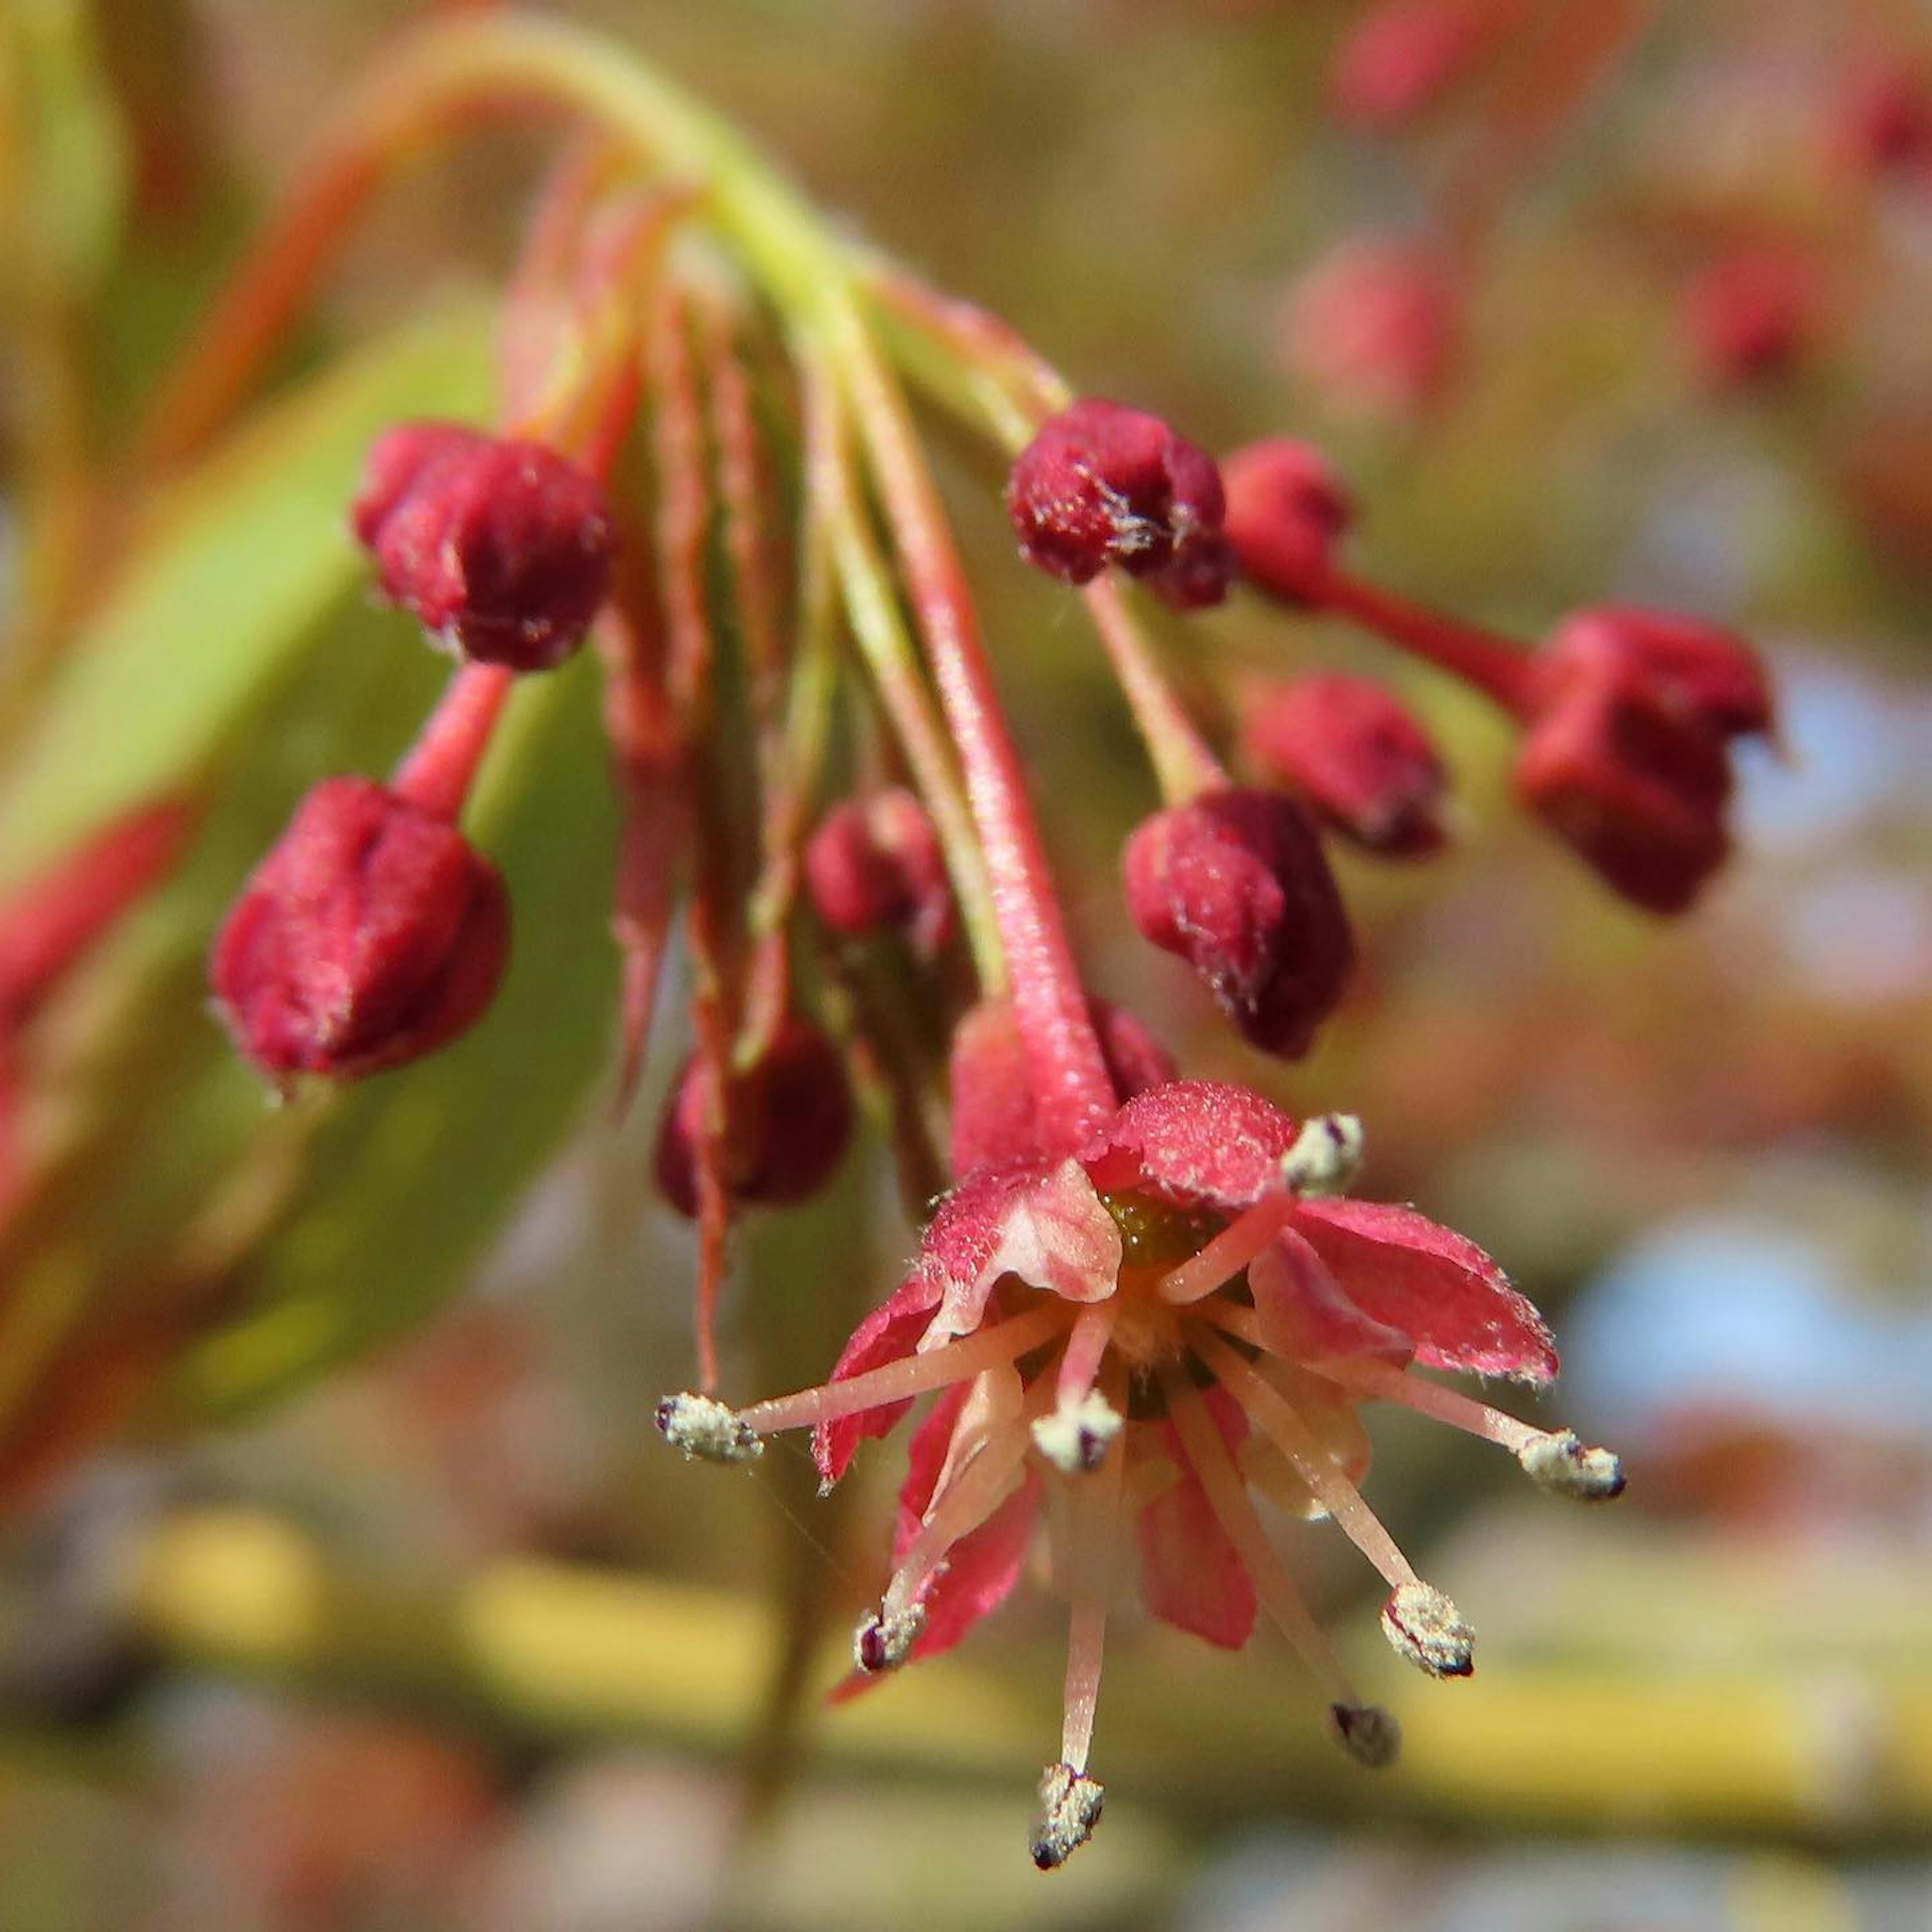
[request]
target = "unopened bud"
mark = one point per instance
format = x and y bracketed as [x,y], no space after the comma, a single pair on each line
[788,1120]
[1356,754]
[1103,484]
[1287,510]
[1428,1629]
[1070,1808]
[1326,1156]
[1235,882]
[705,1430]
[498,544]
[885,1639]
[874,865]
[372,933]
[1567,1467]
[1075,1441]
[1369,1733]
[1376,326]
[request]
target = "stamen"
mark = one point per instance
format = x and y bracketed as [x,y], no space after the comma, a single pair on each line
[1428,1629]
[1086,1348]
[883,1643]
[1228,1252]
[1565,1466]
[1367,1733]
[1070,1808]
[1075,1441]
[991,1347]
[1086,1640]
[706,1430]
[1276,1415]
[1326,1156]
[1391,1384]
[1228,1497]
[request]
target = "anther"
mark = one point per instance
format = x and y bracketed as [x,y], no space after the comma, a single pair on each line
[1368,1732]
[1567,1467]
[1070,1808]
[1325,1157]
[705,1430]
[884,1640]
[1075,1441]
[1428,1629]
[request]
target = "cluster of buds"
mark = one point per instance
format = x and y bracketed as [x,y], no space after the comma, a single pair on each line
[374,932]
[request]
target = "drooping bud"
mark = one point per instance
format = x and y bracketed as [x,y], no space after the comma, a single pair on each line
[874,865]
[884,1638]
[1070,1804]
[1367,1733]
[1104,484]
[993,1110]
[1749,316]
[1401,57]
[1627,757]
[1566,1466]
[372,933]
[1358,757]
[1287,509]
[702,1428]
[1425,1628]
[499,545]
[1235,883]
[788,1120]
[1376,326]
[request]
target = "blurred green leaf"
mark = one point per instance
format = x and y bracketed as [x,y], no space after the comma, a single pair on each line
[63,155]
[222,592]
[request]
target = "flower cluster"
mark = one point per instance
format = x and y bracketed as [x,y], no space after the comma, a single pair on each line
[1144,1301]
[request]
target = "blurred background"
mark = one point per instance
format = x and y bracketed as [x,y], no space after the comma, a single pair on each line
[1615,301]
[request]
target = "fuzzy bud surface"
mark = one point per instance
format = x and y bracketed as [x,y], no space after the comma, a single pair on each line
[1235,883]
[497,545]
[874,865]
[1358,757]
[1104,484]
[372,933]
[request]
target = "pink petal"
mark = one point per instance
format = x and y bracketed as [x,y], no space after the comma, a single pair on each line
[982,1567]
[1304,1314]
[1191,1576]
[960,1242]
[1053,1232]
[892,1331]
[1454,1303]
[1200,1141]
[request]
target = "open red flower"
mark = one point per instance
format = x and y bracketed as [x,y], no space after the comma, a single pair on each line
[1142,1333]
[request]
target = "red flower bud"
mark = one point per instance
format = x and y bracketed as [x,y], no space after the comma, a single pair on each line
[498,545]
[1627,755]
[372,933]
[396,459]
[1286,510]
[1749,316]
[1356,755]
[875,863]
[1376,326]
[1101,483]
[1400,58]
[1235,883]
[1882,122]
[787,1125]
[993,1109]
